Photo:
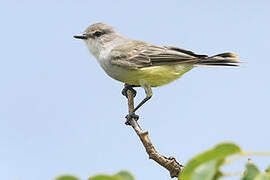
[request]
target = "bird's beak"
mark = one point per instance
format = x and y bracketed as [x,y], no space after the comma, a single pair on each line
[80,36]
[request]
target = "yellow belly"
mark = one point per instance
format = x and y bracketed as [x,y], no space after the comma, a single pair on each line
[153,76]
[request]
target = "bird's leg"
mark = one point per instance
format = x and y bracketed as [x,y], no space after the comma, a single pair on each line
[129,87]
[131,115]
[148,92]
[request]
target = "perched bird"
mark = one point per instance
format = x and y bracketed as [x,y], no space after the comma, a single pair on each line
[138,63]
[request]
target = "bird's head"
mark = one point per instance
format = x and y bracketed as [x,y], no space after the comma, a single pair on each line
[96,36]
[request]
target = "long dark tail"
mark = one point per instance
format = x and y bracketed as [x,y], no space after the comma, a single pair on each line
[224,59]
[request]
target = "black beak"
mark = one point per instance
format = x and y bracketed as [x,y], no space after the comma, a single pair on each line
[80,36]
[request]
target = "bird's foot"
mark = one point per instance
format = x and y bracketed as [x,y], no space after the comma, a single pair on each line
[131,116]
[128,87]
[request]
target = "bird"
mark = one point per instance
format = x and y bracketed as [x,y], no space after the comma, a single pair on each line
[141,64]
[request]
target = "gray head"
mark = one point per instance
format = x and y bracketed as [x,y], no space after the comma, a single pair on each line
[97,31]
[96,36]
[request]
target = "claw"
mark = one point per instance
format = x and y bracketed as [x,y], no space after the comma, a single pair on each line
[124,92]
[126,88]
[131,116]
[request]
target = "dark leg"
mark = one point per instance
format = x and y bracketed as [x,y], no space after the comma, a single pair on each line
[141,103]
[148,92]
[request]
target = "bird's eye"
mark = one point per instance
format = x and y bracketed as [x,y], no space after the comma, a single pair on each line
[97,33]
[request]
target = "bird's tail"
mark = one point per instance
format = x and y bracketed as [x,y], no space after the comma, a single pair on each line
[224,59]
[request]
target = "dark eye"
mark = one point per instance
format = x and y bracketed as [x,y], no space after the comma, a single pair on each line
[97,33]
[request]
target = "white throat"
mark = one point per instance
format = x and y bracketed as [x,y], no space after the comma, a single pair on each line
[102,52]
[94,47]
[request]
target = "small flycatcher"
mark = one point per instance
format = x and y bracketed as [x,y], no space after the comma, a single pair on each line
[137,63]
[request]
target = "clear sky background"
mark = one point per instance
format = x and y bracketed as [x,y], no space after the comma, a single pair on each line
[60,113]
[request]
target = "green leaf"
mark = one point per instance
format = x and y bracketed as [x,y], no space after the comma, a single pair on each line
[105,177]
[251,172]
[262,177]
[217,155]
[268,171]
[67,177]
[122,175]
[205,171]
[125,175]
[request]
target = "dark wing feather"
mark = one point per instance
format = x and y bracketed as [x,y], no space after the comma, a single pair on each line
[137,54]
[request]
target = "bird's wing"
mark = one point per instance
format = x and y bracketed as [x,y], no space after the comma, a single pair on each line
[137,54]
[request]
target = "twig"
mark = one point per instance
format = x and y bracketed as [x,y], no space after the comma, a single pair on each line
[169,163]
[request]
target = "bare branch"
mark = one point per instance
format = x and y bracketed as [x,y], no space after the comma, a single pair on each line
[169,163]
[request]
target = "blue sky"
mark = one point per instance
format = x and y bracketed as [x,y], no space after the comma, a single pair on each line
[60,113]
